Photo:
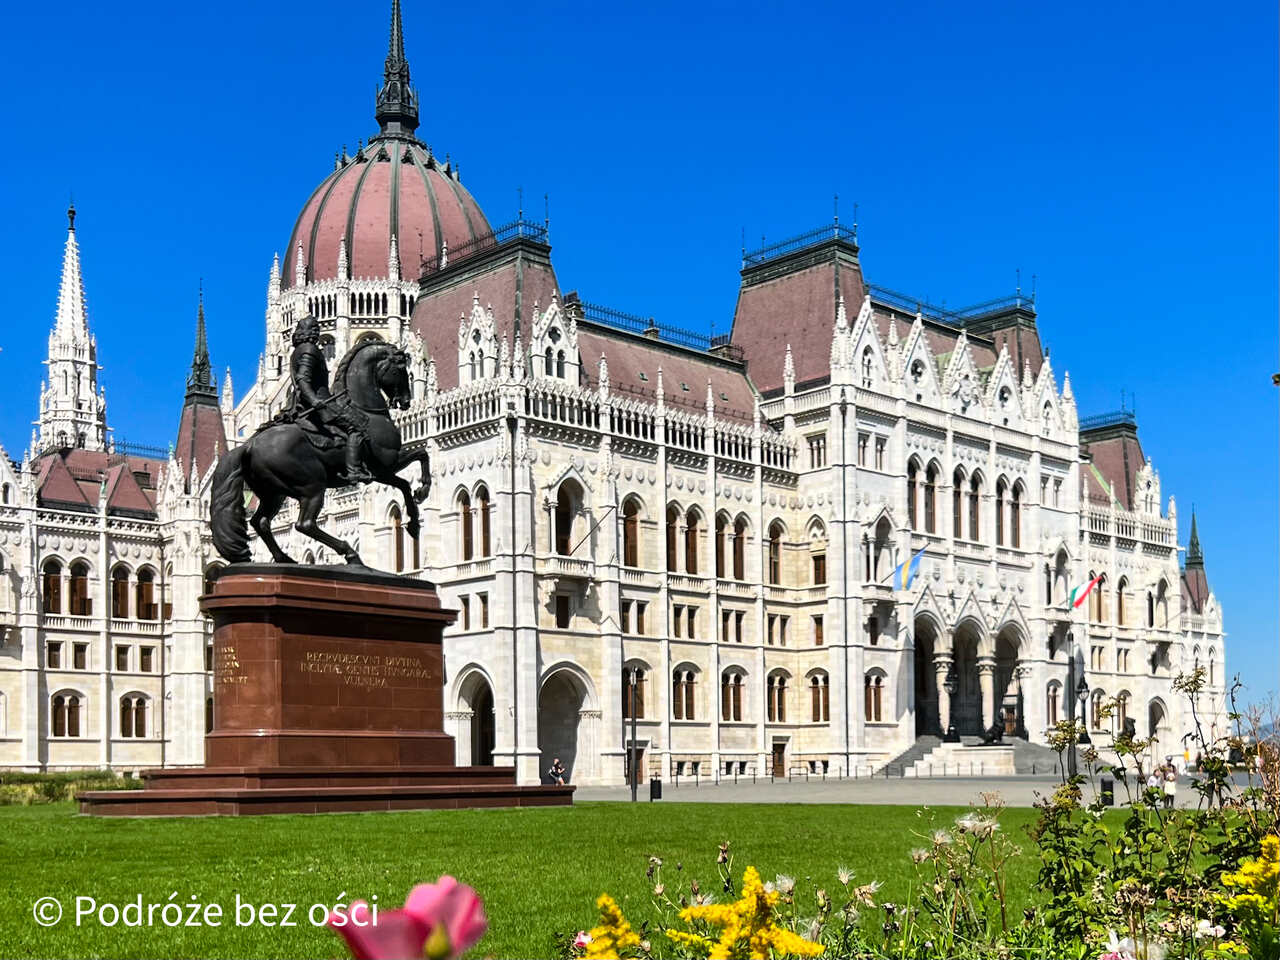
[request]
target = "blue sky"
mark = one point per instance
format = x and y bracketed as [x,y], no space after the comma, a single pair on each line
[1125,154]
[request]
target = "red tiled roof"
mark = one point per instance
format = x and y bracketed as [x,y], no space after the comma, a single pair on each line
[201,438]
[355,201]
[1117,457]
[1195,589]
[629,356]
[73,478]
[797,308]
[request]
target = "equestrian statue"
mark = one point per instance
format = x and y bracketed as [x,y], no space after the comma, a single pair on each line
[322,439]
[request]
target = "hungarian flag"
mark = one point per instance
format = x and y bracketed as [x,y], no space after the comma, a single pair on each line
[1079,593]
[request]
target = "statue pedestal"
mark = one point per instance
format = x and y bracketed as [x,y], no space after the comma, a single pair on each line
[328,696]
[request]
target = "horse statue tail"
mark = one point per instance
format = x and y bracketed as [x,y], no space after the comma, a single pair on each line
[226,507]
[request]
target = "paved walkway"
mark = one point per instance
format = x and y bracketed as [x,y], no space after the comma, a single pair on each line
[1022,791]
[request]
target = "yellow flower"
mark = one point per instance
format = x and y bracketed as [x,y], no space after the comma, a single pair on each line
[1259,878]
[612,935]
[748,926]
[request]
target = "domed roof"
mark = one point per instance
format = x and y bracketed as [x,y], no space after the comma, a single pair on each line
[392,188]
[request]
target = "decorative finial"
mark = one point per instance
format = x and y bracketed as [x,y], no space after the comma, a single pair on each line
[397,102]
[71,216]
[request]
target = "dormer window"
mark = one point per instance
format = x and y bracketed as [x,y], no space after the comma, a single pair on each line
[684,386]
[644,376]
[553,335]
[1004,396]
[917,370]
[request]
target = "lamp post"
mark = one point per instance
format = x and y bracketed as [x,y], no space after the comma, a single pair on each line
[1082,694]
[631,749]
[951,684]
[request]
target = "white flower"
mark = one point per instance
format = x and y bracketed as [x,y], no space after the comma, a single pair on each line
[941,838]
[785,884]
[1206,928]
[844,875]
[770,887]
[919,856]
[658,889]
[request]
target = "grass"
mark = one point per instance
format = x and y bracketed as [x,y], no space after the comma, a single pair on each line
[539,870]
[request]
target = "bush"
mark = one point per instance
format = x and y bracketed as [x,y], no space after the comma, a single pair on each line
[24,789]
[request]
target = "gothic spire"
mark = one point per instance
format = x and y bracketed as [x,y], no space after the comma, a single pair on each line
[1195,558]
[200,384]
[397,106]
[72,321]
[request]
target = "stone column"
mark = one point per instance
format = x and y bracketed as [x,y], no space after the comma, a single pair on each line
[987,683]
[942,663]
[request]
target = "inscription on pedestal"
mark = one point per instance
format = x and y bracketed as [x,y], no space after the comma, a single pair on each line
[366,669]
[227,670]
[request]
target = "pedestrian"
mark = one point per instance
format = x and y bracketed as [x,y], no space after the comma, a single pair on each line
[1153,780]
[557,772]
[1170,787]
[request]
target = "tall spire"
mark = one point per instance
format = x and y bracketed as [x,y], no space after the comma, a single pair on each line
[200,385]
[72,321]
[1195,558]
[72,409]
[397,107]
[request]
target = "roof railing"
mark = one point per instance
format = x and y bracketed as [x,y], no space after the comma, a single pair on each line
[505,234]
[649,327]
[1114,418]
[833,231]
[952,318]
[145,451]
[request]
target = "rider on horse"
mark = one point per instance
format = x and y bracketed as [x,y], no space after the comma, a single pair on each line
[331,414]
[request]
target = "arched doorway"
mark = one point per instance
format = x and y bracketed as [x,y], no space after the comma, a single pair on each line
[1008,689]
[1157,727]
[477,730]
[926,680]
[560,705]
[966,703]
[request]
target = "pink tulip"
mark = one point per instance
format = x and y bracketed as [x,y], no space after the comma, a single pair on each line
[440,920]
[582,940]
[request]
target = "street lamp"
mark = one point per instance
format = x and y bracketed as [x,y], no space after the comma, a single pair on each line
[1082,694]
[951,684]
[631,754]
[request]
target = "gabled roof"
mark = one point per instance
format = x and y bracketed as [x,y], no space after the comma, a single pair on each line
[72,479]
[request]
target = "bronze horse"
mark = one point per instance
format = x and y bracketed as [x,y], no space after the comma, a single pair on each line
[279,461]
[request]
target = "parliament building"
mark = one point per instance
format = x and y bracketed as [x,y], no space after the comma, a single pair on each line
[664,548]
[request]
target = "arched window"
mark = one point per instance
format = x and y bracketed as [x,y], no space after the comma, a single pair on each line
[120,593]
[80,604]
[866,367]
[52,586]
[464,523]
[328,348]
[485,508]
[1151,609]
[133,715]
[1097,600]
[1048,585]
[776,697]
[1000,491]
[682,695]
[819,698]
[397,540]
[64,714]
[567,500]
[471,361]
[911,493]
[691,542]
[673,534]
[6,494]
[1095,709]
[975,491]
[210,577]
[775,553]
[730,696]
[1053,697]
[1162,605]
[1122,711]
[1212,661]
[144,595]
[930,498]
[633,693]
[956,504]
[872,697]
[818,553]
[550,362]
[631,532]
[1121,613]
[1015,517]
[560,364]
[721,523]
[740,548]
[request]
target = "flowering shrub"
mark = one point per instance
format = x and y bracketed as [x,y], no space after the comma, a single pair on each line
[1256,907]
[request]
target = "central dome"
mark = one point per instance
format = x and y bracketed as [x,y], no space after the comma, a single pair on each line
[393,187]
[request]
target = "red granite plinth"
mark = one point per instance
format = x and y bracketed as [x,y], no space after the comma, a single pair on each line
[328,696]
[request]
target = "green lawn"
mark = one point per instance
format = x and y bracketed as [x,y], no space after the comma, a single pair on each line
[539,870]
